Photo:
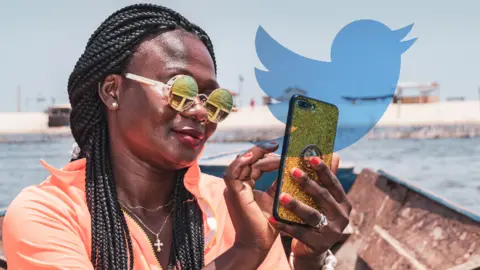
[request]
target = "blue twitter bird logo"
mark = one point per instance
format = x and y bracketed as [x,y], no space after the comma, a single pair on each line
[365,63]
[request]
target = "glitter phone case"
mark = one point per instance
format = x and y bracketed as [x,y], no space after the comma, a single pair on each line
[310,131]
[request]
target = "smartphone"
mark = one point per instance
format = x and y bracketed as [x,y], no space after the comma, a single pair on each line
[310,131]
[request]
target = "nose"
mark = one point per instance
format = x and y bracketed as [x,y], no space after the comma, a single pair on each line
[197,111]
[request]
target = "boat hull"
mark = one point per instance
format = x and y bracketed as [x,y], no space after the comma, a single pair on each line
[397,225]
[346,176]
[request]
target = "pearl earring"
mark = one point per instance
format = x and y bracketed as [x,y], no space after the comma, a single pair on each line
[115,105]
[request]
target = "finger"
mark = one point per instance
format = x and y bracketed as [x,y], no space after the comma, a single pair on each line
[264,201]
[251,174]
[266,164]
[260,150]
[296,232]
[245,173]
[233,171]
[335,163]
[320,195]
[328,179]
[236,168]
[318,240]
[245,176]
[269,163]
[272,189]
[239,164]
[306,213]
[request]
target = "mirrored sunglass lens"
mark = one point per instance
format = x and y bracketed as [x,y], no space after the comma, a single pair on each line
[180,102]
[221,116]
[219,105]
[215,114]
[183,92]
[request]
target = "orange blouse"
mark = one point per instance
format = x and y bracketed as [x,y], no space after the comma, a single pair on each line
[48,226]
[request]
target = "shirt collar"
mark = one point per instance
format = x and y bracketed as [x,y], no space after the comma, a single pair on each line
[77,168]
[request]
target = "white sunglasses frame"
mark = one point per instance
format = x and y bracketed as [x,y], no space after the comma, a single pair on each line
[169,84]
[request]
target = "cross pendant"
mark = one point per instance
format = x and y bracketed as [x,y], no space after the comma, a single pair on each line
[158,244]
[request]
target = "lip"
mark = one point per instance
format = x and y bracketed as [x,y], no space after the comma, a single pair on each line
[189,136]
[192,132]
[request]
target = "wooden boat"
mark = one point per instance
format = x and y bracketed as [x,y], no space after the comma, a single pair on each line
[394,224]
[59,115]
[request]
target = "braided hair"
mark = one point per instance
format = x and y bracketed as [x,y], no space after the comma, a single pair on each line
[108,51]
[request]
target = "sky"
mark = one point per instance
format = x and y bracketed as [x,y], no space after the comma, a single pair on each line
[42,40]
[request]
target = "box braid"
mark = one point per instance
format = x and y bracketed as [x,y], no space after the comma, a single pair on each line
[108,51]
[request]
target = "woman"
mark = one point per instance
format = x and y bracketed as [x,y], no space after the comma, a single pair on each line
[134,197]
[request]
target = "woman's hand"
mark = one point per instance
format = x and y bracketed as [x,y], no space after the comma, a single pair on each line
[254,234]
[310,243]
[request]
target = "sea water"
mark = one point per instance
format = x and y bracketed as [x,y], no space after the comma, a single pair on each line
[447,167]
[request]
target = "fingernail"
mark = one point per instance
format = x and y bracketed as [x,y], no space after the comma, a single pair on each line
[272,220]
[285,198]
[297,173]
[269,144]
[315,161]
[247,155]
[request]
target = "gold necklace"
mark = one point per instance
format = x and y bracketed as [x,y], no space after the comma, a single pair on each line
[158,244]
[146,209]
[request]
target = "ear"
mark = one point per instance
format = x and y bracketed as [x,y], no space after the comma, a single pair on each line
[109,91]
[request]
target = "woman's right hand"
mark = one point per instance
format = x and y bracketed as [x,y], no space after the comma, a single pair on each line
[253,232]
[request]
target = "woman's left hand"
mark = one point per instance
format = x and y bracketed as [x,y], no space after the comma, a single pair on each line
[310,243]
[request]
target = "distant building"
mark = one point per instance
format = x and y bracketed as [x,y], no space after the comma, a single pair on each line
[289,92]
[422,93]
[267,100]
[354,100]
[456,99]
[417,99]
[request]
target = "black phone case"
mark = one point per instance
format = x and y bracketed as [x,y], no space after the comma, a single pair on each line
[308,132]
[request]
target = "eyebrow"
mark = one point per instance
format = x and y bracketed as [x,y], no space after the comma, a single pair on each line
[178,70]
[209,83]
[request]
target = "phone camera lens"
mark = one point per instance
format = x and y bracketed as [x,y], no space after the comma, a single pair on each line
[303,104]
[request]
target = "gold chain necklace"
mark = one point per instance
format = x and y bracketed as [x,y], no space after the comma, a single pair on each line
[147,209]
[158,244]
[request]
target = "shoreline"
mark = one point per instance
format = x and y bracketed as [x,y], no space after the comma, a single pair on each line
[45,131]
[242,134]
[400,121]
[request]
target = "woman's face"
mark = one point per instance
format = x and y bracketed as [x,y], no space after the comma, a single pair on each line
[148,126]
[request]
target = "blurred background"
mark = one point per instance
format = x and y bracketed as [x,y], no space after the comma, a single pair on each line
[43,40]
[430,135]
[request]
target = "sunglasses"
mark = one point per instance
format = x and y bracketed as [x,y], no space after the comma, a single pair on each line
[181,92]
